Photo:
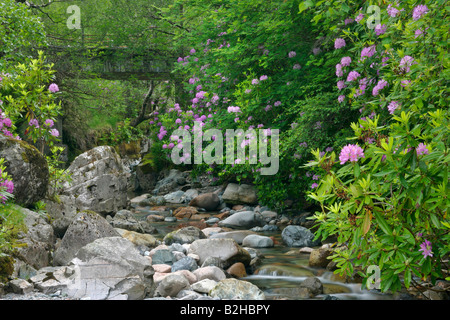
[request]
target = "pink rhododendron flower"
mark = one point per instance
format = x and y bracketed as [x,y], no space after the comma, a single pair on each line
[422,149]
[54,132]
[341,84]
[392,11]
[49,123]
[339,72]
[353,75]
[380,29]
[351,152]
[393,105]
[380,86]
[345,61]
[419,11]
[53,88]
[426,249]
[367,52]
[406,63]
[339,43]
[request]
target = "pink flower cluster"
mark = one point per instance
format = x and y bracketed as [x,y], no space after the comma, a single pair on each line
[393,105]
[380,86]
[53,88]
[419,11]
[5,185]
[422,149]
[351,152]
[5,124]
[339,43]
[406,63]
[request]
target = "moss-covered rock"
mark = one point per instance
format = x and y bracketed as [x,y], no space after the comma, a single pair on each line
[28,169]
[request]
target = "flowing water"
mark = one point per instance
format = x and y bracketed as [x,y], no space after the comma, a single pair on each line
[283,269]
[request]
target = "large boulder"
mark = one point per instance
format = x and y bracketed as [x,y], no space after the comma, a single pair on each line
[99,181]
[108,268]
[298,236]
[28,169]
[240,194]
[243,220]
[36,241]
[113,268]
[225,249]
[84,229]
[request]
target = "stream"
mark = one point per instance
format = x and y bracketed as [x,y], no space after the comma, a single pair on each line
[283,268]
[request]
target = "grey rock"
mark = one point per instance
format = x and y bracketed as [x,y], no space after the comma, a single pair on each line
[84,229]
[163,256]
[170,183]
[184,235]
[257,241]
[240,194]
[185,263]
[242,220]
[297,236]
[99,181]
[20,286]
[234,289]
[124,219]
[237,235]
[225,249]
[61,212]
[172,285]
[111,269]
[37,241]
[204,286]
[174,197]
[313,285]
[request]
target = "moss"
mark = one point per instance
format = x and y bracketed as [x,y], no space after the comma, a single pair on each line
[6,268]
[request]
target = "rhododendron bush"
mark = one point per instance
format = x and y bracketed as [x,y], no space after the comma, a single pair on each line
[28,95]
[362,85]
[385,196]
[247,66]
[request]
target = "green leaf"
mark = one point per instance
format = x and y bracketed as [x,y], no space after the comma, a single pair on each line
[304,5]
[382,223]
[407,278]
[357,170]
[435,220]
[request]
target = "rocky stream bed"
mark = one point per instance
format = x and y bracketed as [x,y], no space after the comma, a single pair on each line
[175,239]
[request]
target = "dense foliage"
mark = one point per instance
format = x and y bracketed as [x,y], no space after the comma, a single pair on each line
[385,195]
[253,65]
